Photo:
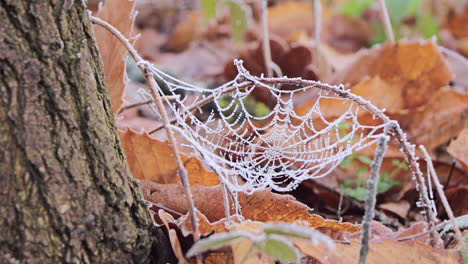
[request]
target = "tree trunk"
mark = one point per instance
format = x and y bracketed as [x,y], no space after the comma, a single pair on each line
[66,193]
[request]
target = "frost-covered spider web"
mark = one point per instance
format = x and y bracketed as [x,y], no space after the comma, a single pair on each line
[279,149]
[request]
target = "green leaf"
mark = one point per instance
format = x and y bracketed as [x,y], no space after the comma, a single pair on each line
[358,193]
[428,25]
[277,249]
[398,9]
[346,183]
[354,8]
[345,163]
[413,8]
[208,8]
[360,171]
[364,159]
[239,20]
[344,125]
[216,241]
[386,184]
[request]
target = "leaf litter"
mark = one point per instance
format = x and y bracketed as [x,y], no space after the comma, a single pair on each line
[399,91]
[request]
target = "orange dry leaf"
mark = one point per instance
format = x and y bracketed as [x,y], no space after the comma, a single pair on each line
[118,13]
[261,206]
[380,252]
[150,159]
[290,19]
[459,148]
[410,80]
[415,69]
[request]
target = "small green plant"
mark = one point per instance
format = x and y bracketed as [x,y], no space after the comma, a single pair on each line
[355,187]
[355,8]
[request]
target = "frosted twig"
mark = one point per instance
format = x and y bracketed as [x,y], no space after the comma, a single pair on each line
[143,65]
[371,196]
[386,21]
[266,39]
[444,200]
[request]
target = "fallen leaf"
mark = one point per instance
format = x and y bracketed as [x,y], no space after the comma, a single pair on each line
[457,24]
[458,148]
[417,68]
[381,252]
[118,13]
[261,206]
[454,196]
[400,208]
[153,160]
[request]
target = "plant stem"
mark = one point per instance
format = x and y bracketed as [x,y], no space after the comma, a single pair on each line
[371,197]
[386,20]
[266,40]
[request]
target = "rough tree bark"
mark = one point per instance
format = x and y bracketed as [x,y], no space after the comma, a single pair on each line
[66,194]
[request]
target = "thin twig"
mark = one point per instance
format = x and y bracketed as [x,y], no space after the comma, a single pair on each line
[386,20]
[434,229]
[318,61]
[130,106]
[144,67]
[266,39]
[149,101]
[371,197]
[444,200]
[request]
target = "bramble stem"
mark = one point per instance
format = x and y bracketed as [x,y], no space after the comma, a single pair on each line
[143,65]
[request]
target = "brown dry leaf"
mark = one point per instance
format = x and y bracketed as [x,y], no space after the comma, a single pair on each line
[416,68]
[118,13]
[439,120]
[400,208]
[443,170]
[458,23]
[455,197]
[459,148]
[151,159]
[408,79]
[381,252]
[184,32]
[290,19]
[262,206]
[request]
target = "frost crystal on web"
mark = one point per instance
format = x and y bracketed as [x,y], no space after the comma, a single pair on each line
[278,149]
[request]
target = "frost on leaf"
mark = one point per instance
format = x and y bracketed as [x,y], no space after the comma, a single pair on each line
[277,149]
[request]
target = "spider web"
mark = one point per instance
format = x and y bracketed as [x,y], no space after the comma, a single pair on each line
[277,150]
